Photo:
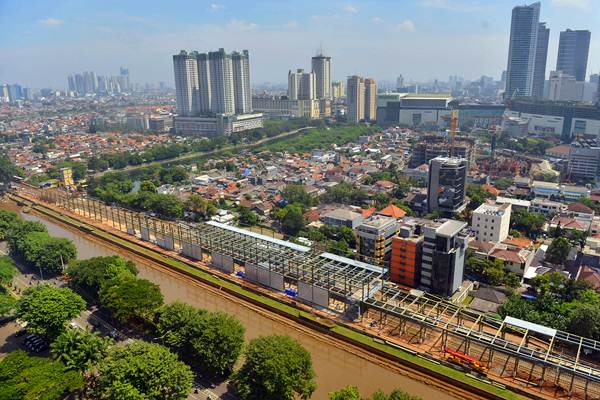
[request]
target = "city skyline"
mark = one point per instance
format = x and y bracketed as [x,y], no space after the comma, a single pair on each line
[86,36]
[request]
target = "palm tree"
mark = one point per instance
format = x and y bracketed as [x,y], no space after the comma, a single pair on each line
[79,349]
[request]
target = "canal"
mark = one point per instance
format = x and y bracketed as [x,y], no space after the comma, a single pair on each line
[334,366]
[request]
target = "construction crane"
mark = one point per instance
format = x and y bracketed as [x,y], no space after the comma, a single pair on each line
[453,129]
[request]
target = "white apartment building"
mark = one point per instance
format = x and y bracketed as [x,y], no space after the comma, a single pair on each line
[491,222]
[186,83]
[302,85]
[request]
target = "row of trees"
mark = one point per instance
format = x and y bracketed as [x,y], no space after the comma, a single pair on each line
[352,393]
[30,242]
[321,138]
[561,303]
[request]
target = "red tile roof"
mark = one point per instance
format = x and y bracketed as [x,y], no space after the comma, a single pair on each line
[393,211]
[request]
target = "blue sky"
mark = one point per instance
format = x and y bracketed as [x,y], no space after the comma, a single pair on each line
[41,42]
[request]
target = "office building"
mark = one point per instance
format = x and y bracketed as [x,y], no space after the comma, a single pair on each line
[355,99]
[584,159]
[301,85]
[541,55]
[213,93]
[405,260]
[321,66]
[480,115]
[573,49]
[241,82]
[337,90]
[370,100]
[124,81]
[374,239]
[491,222]
[447,185]
[522,50]
[443,258]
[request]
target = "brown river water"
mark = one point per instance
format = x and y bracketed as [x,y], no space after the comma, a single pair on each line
[334,367]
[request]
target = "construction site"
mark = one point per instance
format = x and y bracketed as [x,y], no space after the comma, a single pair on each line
[534,360]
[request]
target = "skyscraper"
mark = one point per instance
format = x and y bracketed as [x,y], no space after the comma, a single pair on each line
[321,66]
[124,78]
[541,55]
[338,89]
[355,99]
[446,187]
[71,83]
[204,88]
[573,49]
[301,85]
[221,82]
[370,100]
[241,82]
[522,48]
[186,83]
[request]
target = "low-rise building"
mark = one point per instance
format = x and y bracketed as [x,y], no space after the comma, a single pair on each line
[491,222]
[342,217]
[547,207]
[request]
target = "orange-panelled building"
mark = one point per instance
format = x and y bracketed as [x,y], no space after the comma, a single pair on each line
[405,261]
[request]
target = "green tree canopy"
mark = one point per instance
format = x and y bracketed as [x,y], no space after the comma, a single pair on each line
[142,370]
[275,368]
[48,253]
[130,298]
[47,309]
[247,217]
[347,393]
[529,223]
[295,193]
[93,272]
[79,349]
[8,220]
[585,321]
[558,251]
[23,377]
[291,218]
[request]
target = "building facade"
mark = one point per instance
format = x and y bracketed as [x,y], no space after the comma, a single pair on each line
[321,66]
[522,48]
[338,90]
[541,55]
[301,85]
[186,84]
[573,49]
[491,222]
[370,100]
[427,111]
[283,108]
[443,259]
[374,239]
[446,187]
[355,99]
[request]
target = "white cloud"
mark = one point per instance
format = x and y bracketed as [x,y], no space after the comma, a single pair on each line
[571,3]
[242,25]
[214,7]
[376,20]
[406,26]
[351,9]
[291,25]
[454,5]
[51,22]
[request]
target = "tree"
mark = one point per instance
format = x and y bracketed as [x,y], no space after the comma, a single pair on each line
[275,368]
[585,321]
[197,204]
[347,393]
[17,233]
[297,194]
[219,342]
[503,183]
[530,223]
[147,186]
[93,272]
[48,253]
[79,349]
[130,298]
[247,217]
[8,219]
[142,370]
[512,280]
[7,271]
[47,309]
[291,218]
[7,169]
[558,251]
[26,377]
[213,341]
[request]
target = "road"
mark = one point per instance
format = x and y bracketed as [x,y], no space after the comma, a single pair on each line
[206,153]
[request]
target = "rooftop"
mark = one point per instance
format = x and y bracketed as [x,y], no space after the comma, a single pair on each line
[450,228]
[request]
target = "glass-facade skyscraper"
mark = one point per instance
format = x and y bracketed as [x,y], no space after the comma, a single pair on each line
[573,49]
[522,50]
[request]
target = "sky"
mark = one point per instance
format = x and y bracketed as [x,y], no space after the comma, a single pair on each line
[41,42]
